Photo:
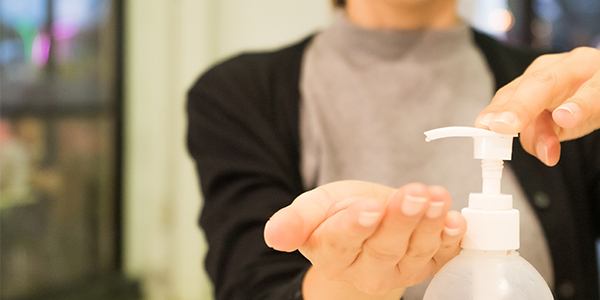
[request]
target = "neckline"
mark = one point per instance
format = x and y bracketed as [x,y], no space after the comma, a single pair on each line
[391,44]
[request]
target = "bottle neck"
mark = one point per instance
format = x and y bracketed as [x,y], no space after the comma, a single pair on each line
[492,223]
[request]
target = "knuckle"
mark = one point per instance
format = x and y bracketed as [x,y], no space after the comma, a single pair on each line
[322,195]
[542,59]
[410,276]
[352,230]
[502,96]
[338,246]
[450,243]
[584,52]
[422,252]
[504,91]
[593,86]
[543,76]
[527,112]
[381,255]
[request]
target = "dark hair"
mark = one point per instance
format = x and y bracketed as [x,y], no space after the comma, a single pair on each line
[339,3]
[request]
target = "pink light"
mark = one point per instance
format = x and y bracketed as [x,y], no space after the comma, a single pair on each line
[40,50]
[64,31]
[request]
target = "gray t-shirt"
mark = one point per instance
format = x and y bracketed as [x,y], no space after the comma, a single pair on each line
[368,96]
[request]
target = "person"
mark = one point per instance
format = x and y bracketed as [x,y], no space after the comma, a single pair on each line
[300,152]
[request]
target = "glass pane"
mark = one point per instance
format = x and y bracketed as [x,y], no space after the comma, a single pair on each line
[57,143]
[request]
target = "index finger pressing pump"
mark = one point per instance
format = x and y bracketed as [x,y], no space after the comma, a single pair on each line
[489,266]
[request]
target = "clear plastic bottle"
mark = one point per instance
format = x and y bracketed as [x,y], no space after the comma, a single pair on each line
[489,267]
[488,275]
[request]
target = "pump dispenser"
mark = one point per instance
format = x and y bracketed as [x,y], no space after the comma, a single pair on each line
[489,266]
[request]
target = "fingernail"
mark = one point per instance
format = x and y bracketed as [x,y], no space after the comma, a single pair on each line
[505,122]
[368,219]
[568,112]
[451,231]
[412,205]
[485,120]
[542,151]
[435,209]
[571,107]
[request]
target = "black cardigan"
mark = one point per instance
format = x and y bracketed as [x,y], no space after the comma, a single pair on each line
[243,135]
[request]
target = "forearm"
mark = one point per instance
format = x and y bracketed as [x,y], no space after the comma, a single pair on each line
[317,286]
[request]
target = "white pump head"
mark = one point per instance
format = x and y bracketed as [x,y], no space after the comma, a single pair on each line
[487,144]
[492,223]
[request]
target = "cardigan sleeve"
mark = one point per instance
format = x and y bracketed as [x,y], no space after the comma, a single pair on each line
[246,173]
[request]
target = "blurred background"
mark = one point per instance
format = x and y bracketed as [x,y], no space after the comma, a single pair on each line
[98,198]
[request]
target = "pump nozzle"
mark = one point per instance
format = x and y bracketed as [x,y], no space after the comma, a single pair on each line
[492,222]
[487,144]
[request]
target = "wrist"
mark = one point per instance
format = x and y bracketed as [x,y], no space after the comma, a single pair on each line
[317,286]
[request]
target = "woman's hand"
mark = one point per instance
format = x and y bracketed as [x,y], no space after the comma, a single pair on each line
[556,99]
[366,240]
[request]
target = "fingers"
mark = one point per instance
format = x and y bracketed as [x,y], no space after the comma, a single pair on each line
[540,138]
[376,244]
[543,87]
[455,227]
[404,212]
[291,226]
[582,110]
[409,235]
[505,94]
[335,244]
[426,238]
[567,85]
[382,251]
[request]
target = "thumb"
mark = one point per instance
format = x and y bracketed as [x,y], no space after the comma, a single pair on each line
[290,227]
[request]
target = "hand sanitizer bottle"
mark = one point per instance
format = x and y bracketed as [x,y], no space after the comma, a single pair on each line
[489,266]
